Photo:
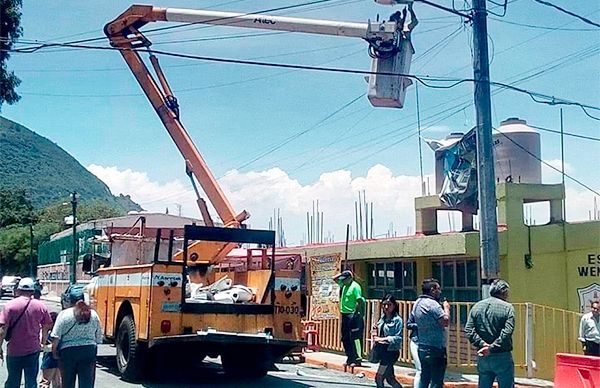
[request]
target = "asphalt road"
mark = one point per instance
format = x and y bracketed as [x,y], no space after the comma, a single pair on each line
[209,374]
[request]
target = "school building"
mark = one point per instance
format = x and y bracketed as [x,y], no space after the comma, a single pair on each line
[556,264]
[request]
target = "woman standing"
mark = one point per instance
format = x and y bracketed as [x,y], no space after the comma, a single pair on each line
[75,336]
[388,341]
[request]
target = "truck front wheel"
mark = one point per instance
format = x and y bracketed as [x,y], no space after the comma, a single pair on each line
[130,352]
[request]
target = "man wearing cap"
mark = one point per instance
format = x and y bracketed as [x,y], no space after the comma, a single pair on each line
[23,317]
[351,309]
[489,328]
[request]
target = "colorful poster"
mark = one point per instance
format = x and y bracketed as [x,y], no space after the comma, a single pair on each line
[324,292]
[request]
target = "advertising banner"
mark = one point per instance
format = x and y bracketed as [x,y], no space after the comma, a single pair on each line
[324,292]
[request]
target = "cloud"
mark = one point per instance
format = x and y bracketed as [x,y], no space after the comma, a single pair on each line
[152,196]
[551,175]
[334,193]
[264,193]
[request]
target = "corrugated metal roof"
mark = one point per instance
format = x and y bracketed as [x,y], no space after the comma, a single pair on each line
[153,220]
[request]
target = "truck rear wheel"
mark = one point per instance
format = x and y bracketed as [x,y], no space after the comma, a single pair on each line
[243,365]
[130,352]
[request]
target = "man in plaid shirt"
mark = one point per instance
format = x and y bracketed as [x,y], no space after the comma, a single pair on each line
[489,328]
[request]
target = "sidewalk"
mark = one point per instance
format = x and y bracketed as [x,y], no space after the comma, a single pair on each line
[51,297]
[406,375]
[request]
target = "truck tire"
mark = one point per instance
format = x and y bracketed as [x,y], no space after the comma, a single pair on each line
[130,352]
[244,366]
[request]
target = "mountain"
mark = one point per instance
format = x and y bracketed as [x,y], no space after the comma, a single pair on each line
[48,173]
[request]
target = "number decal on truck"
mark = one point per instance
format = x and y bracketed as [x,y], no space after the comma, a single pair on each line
[287,310]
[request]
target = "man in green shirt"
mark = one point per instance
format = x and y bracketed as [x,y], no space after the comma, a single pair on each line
[489,328]
[351,309]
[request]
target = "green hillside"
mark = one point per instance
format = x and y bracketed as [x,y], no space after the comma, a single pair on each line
[48,173]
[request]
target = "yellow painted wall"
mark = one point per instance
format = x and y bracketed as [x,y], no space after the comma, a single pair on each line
[558,251]
[583,269]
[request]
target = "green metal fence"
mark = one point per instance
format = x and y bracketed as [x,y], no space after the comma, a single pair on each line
[61,249]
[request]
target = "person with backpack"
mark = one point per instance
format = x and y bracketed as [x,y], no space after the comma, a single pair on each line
[75,338]
[20,324]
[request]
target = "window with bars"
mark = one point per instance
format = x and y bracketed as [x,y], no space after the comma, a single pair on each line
[398,278]
[459,279]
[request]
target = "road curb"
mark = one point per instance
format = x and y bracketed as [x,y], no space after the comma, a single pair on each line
[404,379]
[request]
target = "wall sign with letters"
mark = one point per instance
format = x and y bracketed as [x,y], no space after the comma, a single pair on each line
[591,266]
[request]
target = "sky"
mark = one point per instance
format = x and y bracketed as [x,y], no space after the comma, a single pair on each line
[279,140]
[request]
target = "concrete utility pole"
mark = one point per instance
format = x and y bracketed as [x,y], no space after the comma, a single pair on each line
[488,223]
[32,266]
[73,277]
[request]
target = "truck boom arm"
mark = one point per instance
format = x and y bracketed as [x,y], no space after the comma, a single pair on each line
[124,34]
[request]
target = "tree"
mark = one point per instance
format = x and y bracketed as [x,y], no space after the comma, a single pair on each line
[10,31]
[15,207]
[96,210]
[86,211]
[14,249]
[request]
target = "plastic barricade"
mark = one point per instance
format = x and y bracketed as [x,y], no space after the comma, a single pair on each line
[577,371]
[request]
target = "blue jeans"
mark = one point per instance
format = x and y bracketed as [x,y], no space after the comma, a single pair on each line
[15,365]
[496,366]
[433,366]
[78,362]
[414,354]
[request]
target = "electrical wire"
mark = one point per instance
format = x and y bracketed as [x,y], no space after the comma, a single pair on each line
[568,59]
[535,96]
[321,149]
[180,26]
[283,8]
[576,135]
[542,27]
[520,43]
[439,46]
[387,137]
[582,18]
[546,163]
[460,108]
[218,38]
[297,135]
